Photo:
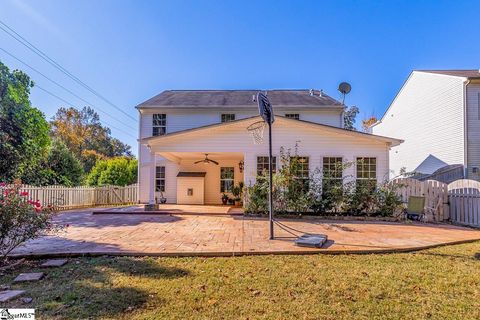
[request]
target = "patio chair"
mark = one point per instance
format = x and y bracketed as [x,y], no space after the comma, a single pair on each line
[415,209]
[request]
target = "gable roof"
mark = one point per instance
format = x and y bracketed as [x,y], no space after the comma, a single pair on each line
[225,98]
[357,134]
[471,74]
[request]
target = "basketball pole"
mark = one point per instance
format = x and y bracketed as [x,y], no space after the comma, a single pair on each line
[270,182]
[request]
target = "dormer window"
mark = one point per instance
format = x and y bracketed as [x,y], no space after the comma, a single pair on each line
[159,124]
[295,116]
[227,117]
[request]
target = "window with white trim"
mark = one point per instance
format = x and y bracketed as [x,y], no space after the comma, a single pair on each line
[301,171]
[160,179]
[263,165]
[227,175]
[332,172]
[227,117]
[295,116]
[159,124]
[367,172]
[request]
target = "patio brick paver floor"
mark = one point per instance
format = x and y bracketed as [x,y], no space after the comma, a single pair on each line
[197,234]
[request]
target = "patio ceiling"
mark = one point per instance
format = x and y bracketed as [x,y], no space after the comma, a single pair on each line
[178,156]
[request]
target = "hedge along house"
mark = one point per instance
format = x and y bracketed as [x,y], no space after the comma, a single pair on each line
[178,129]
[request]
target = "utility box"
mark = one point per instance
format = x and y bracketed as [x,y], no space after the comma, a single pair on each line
[191,188]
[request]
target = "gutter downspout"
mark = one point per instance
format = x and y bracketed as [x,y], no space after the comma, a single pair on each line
[465,129]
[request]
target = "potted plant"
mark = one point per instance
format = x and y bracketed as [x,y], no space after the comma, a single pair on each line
[237,192]
[224,198]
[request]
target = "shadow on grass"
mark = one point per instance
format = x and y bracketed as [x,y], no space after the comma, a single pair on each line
[91,288]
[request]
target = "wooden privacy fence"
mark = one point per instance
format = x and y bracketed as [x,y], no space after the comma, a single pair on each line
[465,202]
[435,193]
[77,197]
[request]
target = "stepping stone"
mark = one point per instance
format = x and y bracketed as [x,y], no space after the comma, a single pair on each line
[27,300]
[54,263]
[10,294]
[32,276]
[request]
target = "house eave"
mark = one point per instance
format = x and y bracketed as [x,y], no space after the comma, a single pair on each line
[391,141]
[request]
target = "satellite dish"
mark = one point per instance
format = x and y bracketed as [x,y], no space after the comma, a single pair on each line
[344,88]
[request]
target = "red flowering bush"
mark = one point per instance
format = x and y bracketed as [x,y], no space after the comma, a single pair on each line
[21,219]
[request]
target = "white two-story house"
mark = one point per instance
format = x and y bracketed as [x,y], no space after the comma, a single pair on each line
[437,113]
[178,127]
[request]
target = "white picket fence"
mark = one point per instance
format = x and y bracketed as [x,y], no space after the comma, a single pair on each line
[457,202]
[64,198]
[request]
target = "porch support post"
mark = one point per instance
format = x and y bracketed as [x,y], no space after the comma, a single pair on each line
[151,194]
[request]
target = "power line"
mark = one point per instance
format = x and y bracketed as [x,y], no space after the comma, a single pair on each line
[52,62]
[66,89]
[71,104]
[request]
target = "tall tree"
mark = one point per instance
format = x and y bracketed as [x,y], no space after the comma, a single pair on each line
[24,138]
[85,136]
[350,116]
[60,166]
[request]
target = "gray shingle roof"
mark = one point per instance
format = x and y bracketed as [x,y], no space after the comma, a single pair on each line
[209,98]
[474,74]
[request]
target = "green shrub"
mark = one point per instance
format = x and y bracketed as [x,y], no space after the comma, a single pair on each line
[319,194]
[21,219]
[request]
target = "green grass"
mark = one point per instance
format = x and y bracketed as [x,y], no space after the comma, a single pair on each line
[441,283]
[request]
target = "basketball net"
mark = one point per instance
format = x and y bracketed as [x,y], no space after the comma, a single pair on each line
[256,130]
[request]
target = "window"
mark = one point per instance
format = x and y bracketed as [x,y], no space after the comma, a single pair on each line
[159,124]
[367,172]
[262,164]
[295,116]
[226,179]
[160,179]
[301,171]
[332,173]
[227,117]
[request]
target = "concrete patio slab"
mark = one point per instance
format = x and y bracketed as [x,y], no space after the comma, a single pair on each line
[224,235]
[31,276]
[10,294]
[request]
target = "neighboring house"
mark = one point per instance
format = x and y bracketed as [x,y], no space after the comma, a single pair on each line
[178,127]
[437,114]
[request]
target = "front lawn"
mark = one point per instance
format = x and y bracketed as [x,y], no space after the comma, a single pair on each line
[442,283]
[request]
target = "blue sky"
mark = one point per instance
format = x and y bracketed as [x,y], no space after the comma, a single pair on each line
[131,50]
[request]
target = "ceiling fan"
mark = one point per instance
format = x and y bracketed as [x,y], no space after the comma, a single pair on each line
[206,160]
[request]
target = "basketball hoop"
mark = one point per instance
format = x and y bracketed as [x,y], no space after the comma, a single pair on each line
[256,130]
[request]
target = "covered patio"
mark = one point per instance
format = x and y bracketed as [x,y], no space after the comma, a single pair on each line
[195,178]
[229,235]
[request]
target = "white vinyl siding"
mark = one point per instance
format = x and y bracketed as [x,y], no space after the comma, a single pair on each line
[427,114]
[182,119]
[473,130]
[314,143]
